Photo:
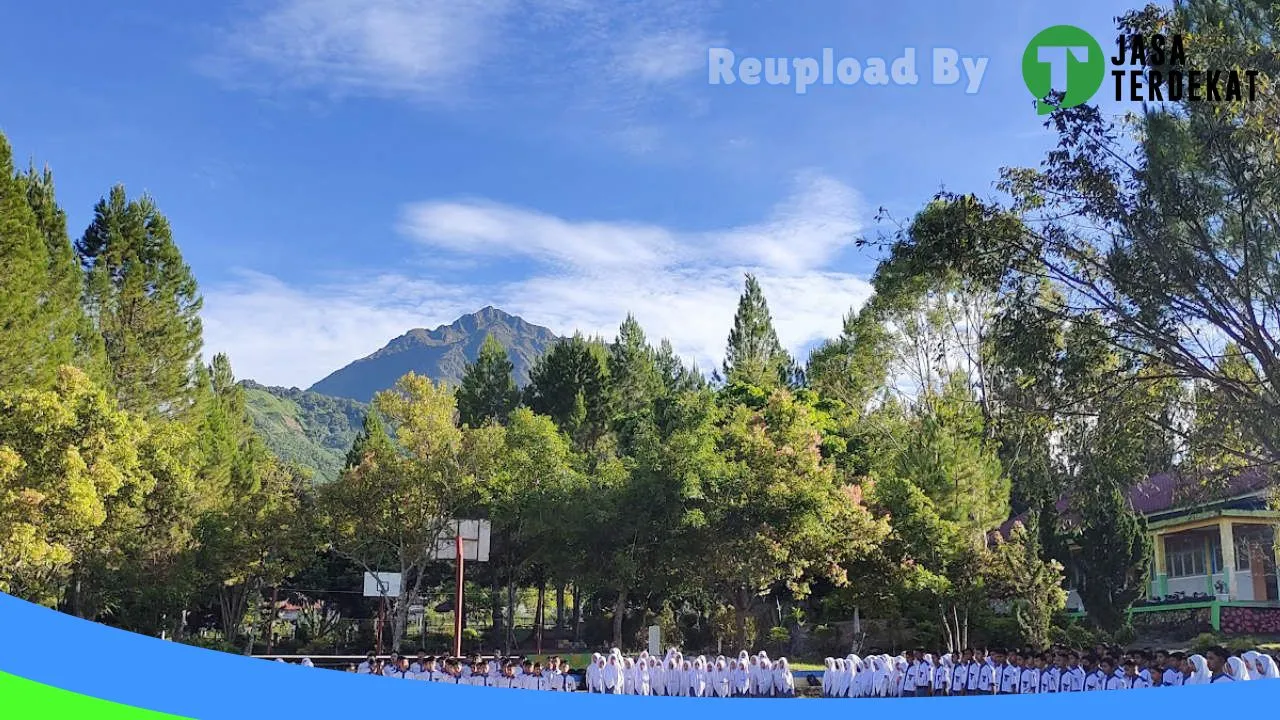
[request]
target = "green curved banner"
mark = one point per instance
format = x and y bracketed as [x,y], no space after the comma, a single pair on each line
[22,698]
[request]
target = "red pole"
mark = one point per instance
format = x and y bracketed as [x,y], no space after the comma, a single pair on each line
[457,609]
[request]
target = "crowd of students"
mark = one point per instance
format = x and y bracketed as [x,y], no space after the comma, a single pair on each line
[556,676]
[918,674]
[910,674]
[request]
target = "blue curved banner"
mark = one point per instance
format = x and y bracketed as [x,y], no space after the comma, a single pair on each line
[45,651]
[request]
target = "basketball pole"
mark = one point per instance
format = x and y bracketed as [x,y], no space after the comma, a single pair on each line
[457,610]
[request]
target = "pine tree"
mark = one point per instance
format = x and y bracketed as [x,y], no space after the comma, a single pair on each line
[675,376]
[145,302]
[28,353]
[372,441]
[71,336]
[754,355]
[569,384]
[633,374]
[488,390]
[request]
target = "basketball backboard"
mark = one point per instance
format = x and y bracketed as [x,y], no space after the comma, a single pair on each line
[475,541]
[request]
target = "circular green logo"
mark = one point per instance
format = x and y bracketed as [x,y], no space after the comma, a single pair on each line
[1065,60]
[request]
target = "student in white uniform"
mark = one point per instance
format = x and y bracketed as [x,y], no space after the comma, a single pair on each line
[1029,678]
[910,669]
[569,680]
[595,674]
[960,674]
[1132,678]
[1270,670]
[1050,675]
[1094,678]
[879,686]
[1113,682]
[784,683]
[1199,674]
[657,677]
[742,679]
[392,666]
[612,676]
[987,677]
[942,676]
[974,670]
[722,680]
[1009,673]
[1238,669]
[1171,675]
[366,667]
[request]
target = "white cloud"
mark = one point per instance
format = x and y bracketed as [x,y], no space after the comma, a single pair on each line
[587,276]
[437,49]
[367,46]
[663,56]
[488,229]
[804,232]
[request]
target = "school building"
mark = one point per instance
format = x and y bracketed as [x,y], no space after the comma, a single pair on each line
[1214,556]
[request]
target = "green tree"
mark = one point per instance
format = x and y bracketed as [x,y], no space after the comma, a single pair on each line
[779,515]
[1114,554]
[30,353]
[1165,228]
[65,454]
[947,457]
[569,384]
[754,355]
[488,391]
[676,376]
[1030,583]
[634,381]
[371,441]
[145,302]
[388,512]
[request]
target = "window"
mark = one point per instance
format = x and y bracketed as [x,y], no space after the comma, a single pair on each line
[1185,555]
[1244,550]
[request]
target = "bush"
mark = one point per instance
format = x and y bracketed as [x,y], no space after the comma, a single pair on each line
[212,643]
[1235,644]
[1125,635]
[827,641]
[470,638]
[1076,634]
[778,641]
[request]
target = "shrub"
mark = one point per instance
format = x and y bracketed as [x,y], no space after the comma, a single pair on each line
[1238,643]
[827,641]
[778,641]
[1125,635]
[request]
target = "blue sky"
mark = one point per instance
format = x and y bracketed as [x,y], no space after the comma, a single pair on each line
[340,171]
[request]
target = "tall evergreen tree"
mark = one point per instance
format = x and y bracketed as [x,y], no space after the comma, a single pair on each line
[372,441]
[675,375]
[1115,549]
[71,335]
[754,355]
[569,384]
[633,373]
[29,353]
[145,302]
[488,390]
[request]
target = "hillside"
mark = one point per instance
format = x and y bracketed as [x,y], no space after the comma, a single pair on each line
[304,427]
[440,354]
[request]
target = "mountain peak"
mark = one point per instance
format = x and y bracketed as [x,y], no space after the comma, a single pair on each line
[441,354]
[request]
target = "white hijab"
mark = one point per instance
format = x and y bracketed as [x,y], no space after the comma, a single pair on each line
[1239,669]
[1199,676]
[1269,668]
[853,667]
